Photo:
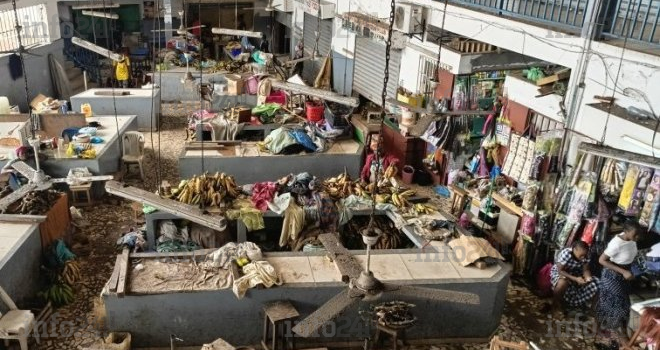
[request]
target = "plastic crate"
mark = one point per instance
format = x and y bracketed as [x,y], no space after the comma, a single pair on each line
[278,97]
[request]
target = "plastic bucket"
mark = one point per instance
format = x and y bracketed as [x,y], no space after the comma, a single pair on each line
[407,174]
[314,111]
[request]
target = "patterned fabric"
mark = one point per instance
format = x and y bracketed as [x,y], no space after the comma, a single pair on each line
[613,307]
[576,295]
[328,213]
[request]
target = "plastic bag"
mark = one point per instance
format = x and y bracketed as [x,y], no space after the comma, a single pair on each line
[530,196]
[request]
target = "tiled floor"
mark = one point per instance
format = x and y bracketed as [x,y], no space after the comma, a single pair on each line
[10,234]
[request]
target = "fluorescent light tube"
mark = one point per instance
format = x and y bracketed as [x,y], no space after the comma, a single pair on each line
[95,48]
[235,32]
[320,93]
[639,144]
[100,14]
[95,6]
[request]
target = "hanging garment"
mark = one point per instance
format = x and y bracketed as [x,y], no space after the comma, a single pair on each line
[328,213]
[294,222]
[15,67]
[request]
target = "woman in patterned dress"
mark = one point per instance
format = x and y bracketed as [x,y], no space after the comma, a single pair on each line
[613,307]
[571,278]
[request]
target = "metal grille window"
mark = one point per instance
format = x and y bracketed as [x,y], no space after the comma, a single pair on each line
[540,123]
[34,21]
[426,72]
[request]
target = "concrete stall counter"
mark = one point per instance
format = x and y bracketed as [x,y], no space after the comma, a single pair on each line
[309,280]
[246,163]
[145,103]
[20,258]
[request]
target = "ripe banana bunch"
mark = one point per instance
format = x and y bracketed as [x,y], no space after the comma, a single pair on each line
[400,199]
[209,190]
[58,294]
[339,186]
[424,208]
[390,172]
[71,273]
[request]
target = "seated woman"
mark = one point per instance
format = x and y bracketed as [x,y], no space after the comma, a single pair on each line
[613,307]
[571,279]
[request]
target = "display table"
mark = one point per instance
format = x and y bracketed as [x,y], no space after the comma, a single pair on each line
[145,103]
[108,153]
[248,165]
[308,281]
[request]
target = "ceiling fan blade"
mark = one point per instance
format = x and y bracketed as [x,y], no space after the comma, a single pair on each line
[5,202]
[173,207]
[164,30]
[24,169]
[348,266]
[433,294]
[196,27]
[328,311]
[82,179]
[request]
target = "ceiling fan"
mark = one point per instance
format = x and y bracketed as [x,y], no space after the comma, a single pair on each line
[38,180]
[95,48]
[182,30]
[364,286]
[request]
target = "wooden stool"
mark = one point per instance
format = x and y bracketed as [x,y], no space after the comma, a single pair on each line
[137,212]
[397,334]
[276,314]
[459,198]
[77,191]
[498,344]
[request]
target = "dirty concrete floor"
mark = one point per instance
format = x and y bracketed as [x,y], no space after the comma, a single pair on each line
[95,243]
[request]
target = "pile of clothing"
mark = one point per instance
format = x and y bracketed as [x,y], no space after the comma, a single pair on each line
[293,140]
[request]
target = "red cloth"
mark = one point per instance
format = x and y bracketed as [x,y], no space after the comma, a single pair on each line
[262,193]
[366,169]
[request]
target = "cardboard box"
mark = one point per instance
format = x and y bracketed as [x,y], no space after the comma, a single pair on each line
[234,84]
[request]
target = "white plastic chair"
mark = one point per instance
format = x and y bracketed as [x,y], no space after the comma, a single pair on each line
[133,150]
[16,324]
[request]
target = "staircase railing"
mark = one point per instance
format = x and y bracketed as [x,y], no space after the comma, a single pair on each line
[84,59]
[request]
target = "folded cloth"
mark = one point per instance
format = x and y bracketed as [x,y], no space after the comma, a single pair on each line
[303,139]
[255,273]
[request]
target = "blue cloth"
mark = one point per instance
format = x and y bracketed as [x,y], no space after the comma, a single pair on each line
[442,191]
[69,133]
[303,139]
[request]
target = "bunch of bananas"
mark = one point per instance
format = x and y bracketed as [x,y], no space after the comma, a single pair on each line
[339,186]
[58,294]
[424,209]
[71,273]
[400,199]
[207,190]
[390,172]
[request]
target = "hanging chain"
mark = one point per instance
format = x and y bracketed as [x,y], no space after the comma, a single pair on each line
[440,38]
[34,119]
[386,79]
[316,52]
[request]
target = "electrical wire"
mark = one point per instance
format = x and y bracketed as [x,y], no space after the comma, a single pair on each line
[386,78]
[18,27]
[114,97]
[201,98]
[151,114]
[616,80]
